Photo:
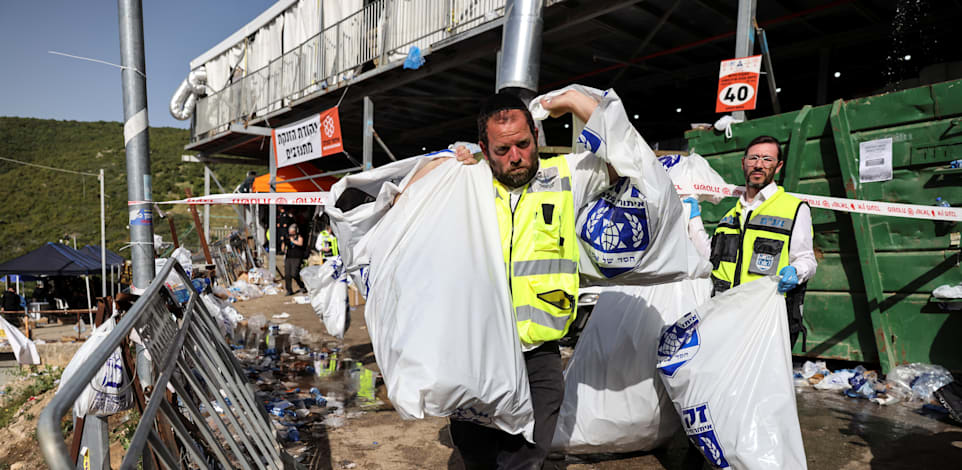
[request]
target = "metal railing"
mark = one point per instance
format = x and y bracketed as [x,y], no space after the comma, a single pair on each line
[214,421]
[380,33]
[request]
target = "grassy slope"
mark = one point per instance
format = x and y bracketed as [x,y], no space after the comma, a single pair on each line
[37,205]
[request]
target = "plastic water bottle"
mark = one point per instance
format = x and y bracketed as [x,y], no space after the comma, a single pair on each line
[942,202]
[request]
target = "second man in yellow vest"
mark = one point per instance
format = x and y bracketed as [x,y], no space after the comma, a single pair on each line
[767,233]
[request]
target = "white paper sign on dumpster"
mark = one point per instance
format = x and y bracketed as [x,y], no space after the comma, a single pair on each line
[875,160]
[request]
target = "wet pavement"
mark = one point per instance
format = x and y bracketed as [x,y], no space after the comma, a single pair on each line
[838,432]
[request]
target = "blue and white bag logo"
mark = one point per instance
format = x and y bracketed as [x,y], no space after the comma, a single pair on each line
[616,229]
[701,431]
[678,344]
[764,262]
[590,140]
[669,161]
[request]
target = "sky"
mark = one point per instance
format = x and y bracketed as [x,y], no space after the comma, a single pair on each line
[34,83]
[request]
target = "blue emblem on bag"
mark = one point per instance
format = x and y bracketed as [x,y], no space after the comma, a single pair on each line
[590,139]
[669,161]
[616,227]
[678,344]
[701,430]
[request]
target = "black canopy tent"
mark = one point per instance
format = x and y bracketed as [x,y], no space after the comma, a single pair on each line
[57,259]
[51,259]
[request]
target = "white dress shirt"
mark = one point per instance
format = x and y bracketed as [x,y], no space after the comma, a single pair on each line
[801,254]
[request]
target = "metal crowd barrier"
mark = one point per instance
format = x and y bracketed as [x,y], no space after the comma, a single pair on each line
[212,421]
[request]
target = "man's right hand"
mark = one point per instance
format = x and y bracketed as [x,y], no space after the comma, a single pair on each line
[464,155]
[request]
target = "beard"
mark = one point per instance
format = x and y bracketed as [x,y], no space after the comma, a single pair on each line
[516,179]
[768,179]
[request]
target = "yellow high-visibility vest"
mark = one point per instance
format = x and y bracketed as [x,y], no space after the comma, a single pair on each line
[541,252]
[761,249]
[330,240]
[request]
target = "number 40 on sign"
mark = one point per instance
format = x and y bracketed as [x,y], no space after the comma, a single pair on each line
[738,84]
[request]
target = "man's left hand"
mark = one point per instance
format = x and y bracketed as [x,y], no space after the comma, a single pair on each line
[789,279]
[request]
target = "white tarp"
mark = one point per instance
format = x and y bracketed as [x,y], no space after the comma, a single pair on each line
[728,370]
[23,348]
[614,401]
[633,232]
[439,309]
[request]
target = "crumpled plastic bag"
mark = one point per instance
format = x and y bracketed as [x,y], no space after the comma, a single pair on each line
[917,381]
[948,292]
[110,389]
[24,350]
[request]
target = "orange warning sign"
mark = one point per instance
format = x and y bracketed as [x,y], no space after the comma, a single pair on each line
[738,84]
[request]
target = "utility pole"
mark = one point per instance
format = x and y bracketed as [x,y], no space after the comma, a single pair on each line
[744,36]
[136,143]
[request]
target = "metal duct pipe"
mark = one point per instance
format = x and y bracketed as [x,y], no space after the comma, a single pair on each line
[521,47]
[185,98]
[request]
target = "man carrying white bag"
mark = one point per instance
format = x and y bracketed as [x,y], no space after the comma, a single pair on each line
[728,370]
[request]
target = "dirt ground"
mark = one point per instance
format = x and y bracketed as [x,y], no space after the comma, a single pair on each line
[838,432]
[381,439]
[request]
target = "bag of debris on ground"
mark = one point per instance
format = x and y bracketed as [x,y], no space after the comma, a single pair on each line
[110,390]
[327,287]
[728,370]
[438,308]
[614,401]
[632,233]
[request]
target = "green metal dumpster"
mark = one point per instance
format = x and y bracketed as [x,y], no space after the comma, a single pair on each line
[871,297]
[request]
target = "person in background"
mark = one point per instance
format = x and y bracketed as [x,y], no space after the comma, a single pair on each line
[296,252]
[327,243]
[11,301]
[767,233]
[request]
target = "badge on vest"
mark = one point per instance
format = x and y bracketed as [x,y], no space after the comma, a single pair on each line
[615,229]
[765,255]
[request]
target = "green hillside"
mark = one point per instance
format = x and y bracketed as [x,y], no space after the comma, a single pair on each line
[38,205]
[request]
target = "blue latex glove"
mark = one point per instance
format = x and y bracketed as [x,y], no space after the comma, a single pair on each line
[789,279]
[695,209]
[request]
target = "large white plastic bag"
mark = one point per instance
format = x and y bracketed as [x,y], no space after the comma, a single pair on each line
[687,172]
[439,310]
[349,226]
[24,350]
[633,232]
[327,286]
[614,401]
[728,369]
[110,389]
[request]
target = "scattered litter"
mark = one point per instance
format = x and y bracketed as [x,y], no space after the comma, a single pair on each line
[281,316]
[909,383]
[301,299]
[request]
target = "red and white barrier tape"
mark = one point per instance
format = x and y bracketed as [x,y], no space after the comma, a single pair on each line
[894,209]
[912,211]
[285,199]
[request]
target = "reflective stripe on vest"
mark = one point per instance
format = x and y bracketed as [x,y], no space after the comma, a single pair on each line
[761,249]
[541,251]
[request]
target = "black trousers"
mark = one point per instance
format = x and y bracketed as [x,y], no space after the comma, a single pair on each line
[482,447]
[292,269]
